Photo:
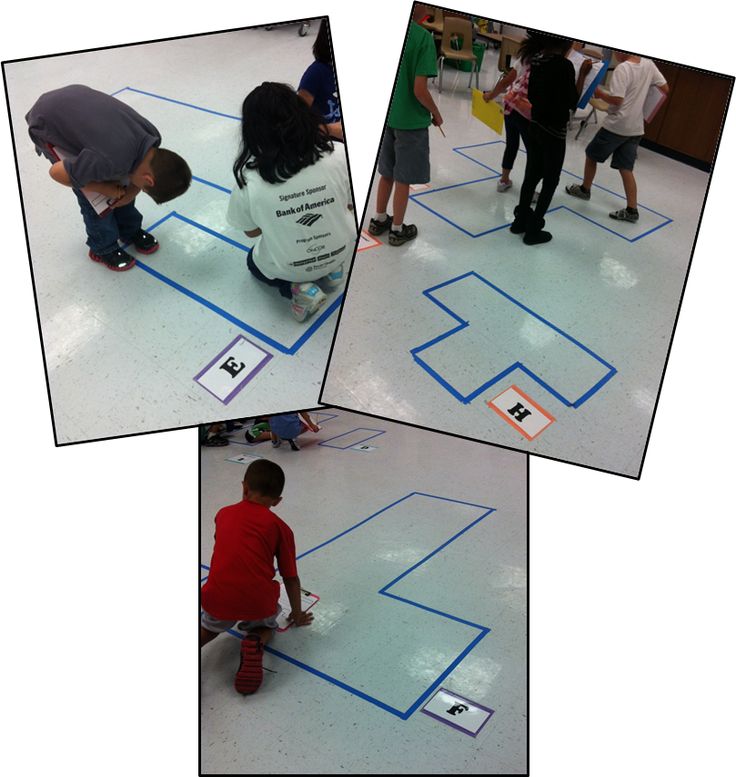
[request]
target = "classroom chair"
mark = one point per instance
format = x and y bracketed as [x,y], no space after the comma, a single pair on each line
[437,23]
[455,27]
[509,49]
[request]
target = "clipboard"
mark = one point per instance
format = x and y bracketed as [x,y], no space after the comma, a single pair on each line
[593,80]
[308,601]
[101,204]
[490,113]
[653,102]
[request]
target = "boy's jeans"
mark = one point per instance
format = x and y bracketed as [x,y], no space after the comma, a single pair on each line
[103,232]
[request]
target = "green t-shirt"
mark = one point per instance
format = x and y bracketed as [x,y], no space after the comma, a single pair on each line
[419,59]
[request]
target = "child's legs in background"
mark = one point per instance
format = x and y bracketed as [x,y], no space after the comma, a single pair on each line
[385,185]
[386,162]
[102,231]
[553,159]
[629,182]
[623,160]
[516,129]
[411,148]
[284,287]
[534,168]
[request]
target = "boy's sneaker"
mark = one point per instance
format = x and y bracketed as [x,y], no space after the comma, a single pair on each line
[306,299]
[250,674]
[404,235]
[293,444]
[625,215]
[117,260]
[576,190]
[333,280]
[376,227]
[145,242]
[503,186]
[275,440]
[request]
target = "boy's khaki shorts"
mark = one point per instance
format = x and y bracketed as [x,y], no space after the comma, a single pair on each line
[218,626]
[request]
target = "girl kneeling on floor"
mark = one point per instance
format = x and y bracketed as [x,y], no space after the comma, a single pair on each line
[293,194]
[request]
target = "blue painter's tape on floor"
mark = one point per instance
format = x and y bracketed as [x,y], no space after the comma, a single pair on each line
[482,630]
[378,432]
[419,199]
[284,348]
[468,397]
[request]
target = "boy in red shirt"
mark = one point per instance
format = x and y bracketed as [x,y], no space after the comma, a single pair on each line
[240,585]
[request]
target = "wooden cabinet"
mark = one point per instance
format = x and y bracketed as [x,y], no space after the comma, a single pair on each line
[689,122]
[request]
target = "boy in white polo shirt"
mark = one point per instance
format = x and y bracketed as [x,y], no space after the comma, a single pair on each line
[622,128]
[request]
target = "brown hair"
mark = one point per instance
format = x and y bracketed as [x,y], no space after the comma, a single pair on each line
[265,478]
[171,175]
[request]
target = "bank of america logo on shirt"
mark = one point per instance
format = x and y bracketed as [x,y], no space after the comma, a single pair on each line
[309,220]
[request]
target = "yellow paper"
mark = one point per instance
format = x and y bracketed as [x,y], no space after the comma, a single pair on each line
[490,113]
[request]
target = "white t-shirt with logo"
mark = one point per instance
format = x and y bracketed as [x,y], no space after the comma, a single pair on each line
[631,80]
[307,228]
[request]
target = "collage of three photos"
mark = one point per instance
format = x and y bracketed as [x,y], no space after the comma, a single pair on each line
[369,370]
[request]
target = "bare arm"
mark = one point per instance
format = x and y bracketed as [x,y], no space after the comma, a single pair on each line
[253,232]
[584,70]
[293,591]
[334,130]
[111,189]
[306,96]
[501,86]
[421,92]
[601,94]
[308,421]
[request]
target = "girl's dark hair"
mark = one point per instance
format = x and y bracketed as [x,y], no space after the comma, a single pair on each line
[281,134]
[321,49]
[537,42]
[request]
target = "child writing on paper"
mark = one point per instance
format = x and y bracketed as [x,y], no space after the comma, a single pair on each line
[240,584]
[622,128]
[404,155]
[293,194]
[553,94]
[98,144]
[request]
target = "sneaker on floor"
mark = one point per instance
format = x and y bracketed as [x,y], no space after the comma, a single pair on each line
[117,260]
[333,280]
[503,186]
[294,445]
[576,190]
[275,440]
[215,441]
[145,242]
[306,299]
[625,215]
[376,227]
[250,674]
[404,235]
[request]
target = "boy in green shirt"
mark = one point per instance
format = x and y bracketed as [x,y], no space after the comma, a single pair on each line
[404,157]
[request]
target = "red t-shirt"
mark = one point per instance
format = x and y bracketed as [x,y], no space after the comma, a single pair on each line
[240,585]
